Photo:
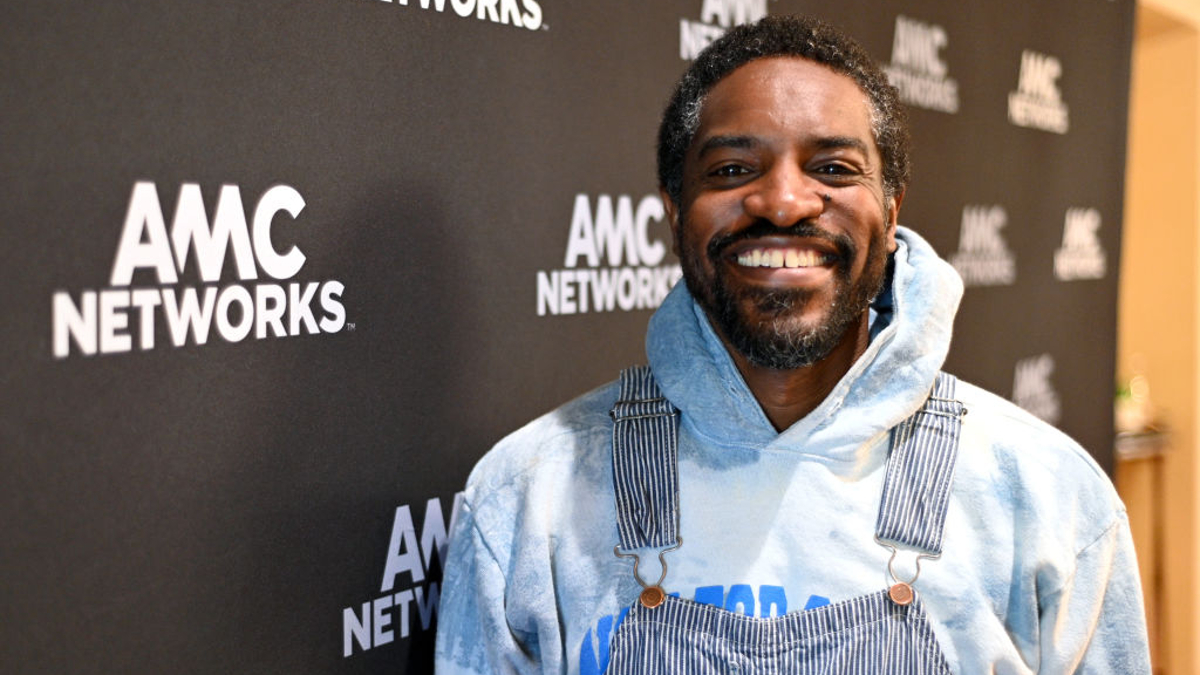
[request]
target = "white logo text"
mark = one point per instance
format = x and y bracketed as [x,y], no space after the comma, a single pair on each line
[1081,255]
[113,320]
[716,17]
[409,561]
[917,70]
[1037,103]
[622,261]
[527,15]
[983,259]
[1032,389]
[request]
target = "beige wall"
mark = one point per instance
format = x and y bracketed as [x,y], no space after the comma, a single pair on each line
[1158,327]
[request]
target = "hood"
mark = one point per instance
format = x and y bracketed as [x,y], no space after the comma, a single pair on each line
[913,320]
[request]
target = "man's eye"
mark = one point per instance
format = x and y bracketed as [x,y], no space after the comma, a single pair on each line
[835,170]
[730,171]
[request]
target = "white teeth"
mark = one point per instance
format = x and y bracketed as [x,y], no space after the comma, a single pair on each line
[777,258]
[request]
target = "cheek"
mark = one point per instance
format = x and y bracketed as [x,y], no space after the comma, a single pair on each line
[685,241]
[869,226]
[696,226]
[696,244]
[865,220]
[712,217]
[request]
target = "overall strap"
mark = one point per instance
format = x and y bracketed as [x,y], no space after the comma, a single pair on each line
[920,469]
[645,462]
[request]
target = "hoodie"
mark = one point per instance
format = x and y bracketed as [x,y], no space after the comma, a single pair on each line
[1037,575]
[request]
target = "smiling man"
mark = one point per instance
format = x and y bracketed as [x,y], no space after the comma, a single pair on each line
[792,485]
[783,268]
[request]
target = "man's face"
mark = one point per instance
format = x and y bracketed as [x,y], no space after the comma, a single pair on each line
[783,228]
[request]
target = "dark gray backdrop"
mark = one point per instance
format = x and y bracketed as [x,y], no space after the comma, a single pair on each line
[232,506]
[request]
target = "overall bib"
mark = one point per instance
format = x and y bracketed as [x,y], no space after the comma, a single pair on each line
[885,632]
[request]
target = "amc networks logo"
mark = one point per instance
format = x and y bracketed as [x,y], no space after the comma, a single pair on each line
[917,69]
[409,592]
[519,13]
[983,257]
[614,259]
[716,17]
[126,315]
[1037,103]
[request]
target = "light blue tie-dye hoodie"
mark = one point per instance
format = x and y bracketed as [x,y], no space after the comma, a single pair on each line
[1038,573]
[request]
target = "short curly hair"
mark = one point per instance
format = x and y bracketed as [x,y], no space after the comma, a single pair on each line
[800,36]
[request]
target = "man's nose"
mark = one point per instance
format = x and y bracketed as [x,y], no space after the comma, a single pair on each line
[785,196]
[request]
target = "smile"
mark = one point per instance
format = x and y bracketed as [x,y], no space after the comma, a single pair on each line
[781,258]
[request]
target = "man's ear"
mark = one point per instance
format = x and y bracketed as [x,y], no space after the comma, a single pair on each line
[672,212]
[893,218]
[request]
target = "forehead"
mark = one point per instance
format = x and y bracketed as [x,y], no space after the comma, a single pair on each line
[786,98]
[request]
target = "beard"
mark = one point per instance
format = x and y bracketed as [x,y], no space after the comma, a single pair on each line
[765,325]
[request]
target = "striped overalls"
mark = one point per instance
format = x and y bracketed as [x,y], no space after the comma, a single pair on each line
[882,632]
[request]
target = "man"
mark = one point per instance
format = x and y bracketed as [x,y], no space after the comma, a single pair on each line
[791,487]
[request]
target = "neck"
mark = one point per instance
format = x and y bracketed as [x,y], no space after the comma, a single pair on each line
[786,396]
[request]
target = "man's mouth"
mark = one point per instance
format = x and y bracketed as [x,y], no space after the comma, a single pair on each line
[778,258]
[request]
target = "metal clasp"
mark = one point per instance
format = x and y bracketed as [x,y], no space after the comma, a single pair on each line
[902,592]
[652,595]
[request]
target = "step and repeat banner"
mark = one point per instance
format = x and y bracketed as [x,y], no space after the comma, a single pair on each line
[277,273]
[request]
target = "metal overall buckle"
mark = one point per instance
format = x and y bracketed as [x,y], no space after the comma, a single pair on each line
[902,592]
[652,595]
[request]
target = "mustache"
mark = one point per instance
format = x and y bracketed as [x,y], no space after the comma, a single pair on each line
[842,243]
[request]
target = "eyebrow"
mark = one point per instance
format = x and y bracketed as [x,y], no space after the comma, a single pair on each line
[748,142]
[717,142]
[839,142]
